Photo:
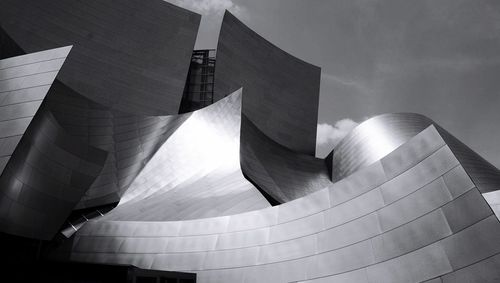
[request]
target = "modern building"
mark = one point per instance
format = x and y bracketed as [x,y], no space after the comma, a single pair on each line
[123,151]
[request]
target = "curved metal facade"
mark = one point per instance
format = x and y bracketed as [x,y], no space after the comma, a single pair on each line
[49,171]
[128,55]
[195,173]
[427,221]
[406,204]
[374,139]
[128,66]
[289,86]
[280,173]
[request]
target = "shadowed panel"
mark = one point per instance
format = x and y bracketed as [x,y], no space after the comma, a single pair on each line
[128,55]
[289,86]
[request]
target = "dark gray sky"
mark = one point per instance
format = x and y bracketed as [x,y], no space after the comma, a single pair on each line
[440,58]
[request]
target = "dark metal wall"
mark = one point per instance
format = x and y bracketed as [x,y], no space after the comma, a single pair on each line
[277,171]
[128,66]
[129,55]
[281,92]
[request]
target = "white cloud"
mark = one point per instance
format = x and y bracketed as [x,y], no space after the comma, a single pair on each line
[210,7]
[329,136]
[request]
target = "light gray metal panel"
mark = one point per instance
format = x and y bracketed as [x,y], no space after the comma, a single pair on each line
[253,219]
[24,95]
[493,199]
[180,261]
[420,265]
[422,201]
[297,228]
[457,181]
[412,152]
[286,271]
[143,245]
[256,237]
[356,276]
[475,243]
[288,250]
[421,174]
[221,275]
[485,271]
[362,181]
[349,233]
[308,205]
[195,173]
[357,207]
[416,234]
[191,244]
[342,260]
[232,258]
[154,229]
[374,139]
[466,210]
[204,226]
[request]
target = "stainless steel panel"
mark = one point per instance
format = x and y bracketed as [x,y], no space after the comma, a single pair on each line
[416,234]
[349,233]
[143,245]
[474,243]
[148,73]
[245,59]
[457,181]
[493,200]
[308,205]
[287,250]
[355,208]
[412,152]
[420,265]
[297,228]
[466,210]
[424,200]
[342,260]
[374,139]
[256,237]
[232,258]
[180,261]
[253,219]
[190,244]
[358,183]
[423,173]
[357,276]
[483,271]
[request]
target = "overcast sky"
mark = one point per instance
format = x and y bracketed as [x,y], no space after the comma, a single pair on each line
[440,58]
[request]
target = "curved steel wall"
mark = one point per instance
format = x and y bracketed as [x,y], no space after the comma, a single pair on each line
[195,173]
[131,140]
[412,216]
[129,55]
[374,139]
[128,66]
[46,170]
[282,174]
[289,86]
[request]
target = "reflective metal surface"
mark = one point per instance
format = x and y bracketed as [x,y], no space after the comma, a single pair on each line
[49,170]
[127,72]
[289,86]
[128,55]
[423,223]
[195,173]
